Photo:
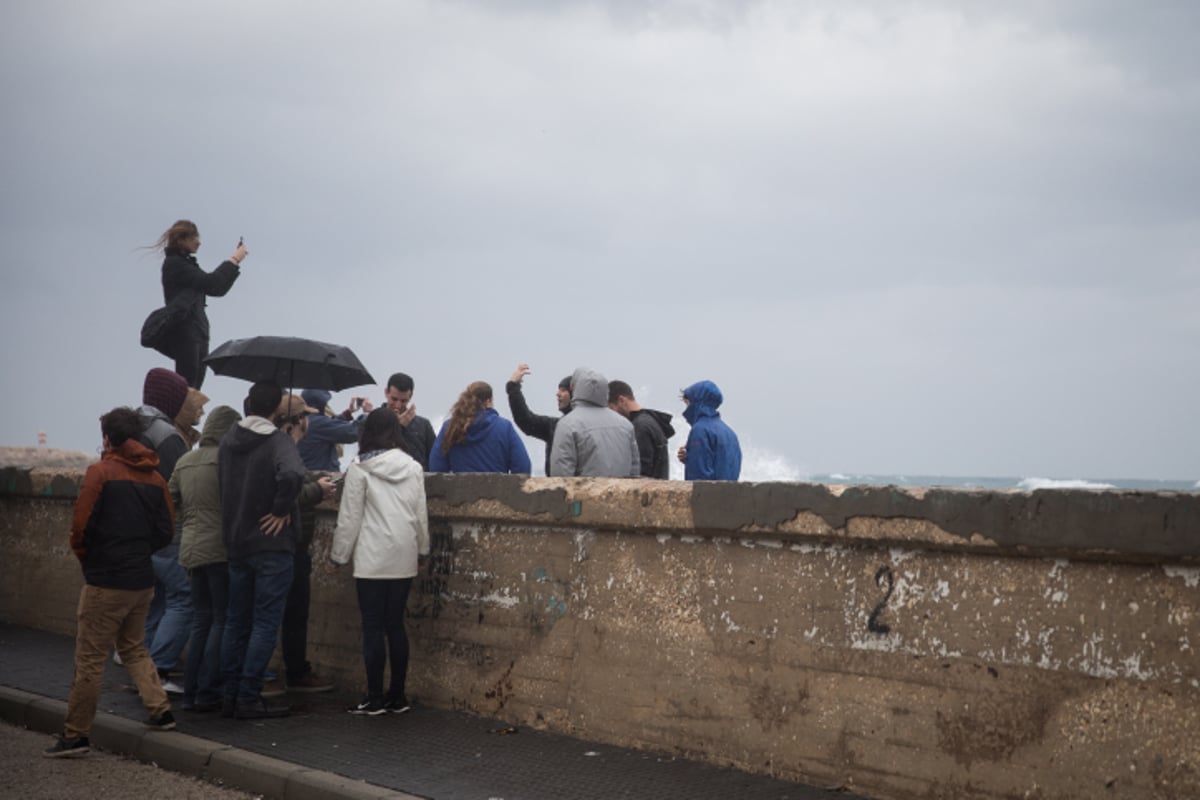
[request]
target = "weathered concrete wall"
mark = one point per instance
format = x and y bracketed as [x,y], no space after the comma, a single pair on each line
[906,643]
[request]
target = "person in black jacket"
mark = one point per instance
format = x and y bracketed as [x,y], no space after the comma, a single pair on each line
[122,515]
[418,431]
[536,425]
[186,285]
[652,429]
[260,475]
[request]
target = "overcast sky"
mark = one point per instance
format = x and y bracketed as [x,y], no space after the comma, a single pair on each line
[905,237]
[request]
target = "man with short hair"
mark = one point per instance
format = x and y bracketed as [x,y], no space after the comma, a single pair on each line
[295,418]
[418,431]
[260,475]
[122,515]
[712,452]
[593,440]
[651,428]
[536,425]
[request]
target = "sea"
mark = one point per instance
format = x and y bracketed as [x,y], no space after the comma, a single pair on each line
[1010,483]
[760,464]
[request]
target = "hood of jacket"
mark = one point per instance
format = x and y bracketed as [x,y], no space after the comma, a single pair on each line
[133,454]
[481,427]
[392,465]
[317,398]
[219,421]
[704,398]
[590,387]
[661,417]
[250,433]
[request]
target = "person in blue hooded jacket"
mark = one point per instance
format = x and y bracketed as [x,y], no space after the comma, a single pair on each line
[712,452]
[477,439]
[318,448]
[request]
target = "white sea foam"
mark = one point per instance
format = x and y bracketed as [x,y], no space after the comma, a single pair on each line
[1029,484]
[760,464]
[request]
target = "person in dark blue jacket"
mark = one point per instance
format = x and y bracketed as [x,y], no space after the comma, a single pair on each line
[318,448]
[712,452]
[477,439]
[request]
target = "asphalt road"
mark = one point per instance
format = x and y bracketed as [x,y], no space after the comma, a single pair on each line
[104,776]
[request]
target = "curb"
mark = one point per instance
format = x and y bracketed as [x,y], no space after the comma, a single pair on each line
[190,755]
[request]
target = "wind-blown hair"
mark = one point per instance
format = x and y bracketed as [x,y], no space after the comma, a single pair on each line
[466,408]
[381,431]
[172,236]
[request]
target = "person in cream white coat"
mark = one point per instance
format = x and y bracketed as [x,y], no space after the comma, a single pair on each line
[383,527]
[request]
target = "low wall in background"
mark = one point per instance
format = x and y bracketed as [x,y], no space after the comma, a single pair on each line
[905,643]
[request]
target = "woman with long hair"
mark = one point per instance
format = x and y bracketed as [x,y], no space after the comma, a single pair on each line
[186,285]
[475,438]
[383,525]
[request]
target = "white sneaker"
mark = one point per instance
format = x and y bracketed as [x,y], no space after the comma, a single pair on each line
[172,687]
[117,658]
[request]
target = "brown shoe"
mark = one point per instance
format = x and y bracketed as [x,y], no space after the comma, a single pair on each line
[273,689]
[310,682]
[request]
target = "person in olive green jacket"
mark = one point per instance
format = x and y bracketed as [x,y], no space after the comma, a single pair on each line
[197,497]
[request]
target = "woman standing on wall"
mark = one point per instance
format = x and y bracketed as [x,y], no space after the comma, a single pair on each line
[185,286]
[383,524]
[477,439]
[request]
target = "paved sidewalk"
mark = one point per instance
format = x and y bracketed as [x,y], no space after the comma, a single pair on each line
[427,753]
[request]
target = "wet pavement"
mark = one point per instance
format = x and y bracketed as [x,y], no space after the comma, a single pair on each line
[428,752]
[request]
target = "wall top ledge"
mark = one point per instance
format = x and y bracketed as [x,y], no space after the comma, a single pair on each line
[1107,525]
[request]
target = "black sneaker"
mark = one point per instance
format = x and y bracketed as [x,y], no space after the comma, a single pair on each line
[68,748]
[260,710]
[163,722]
[397,705]
[369,707]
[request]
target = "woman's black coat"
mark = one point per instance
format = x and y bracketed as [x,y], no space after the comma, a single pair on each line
[185,284]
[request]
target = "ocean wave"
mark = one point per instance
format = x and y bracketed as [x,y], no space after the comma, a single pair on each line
[1030,484]
[760,464]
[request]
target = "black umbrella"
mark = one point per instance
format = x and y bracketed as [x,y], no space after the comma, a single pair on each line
[290,362]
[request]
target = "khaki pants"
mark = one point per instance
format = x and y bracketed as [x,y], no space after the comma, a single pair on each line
[108,616]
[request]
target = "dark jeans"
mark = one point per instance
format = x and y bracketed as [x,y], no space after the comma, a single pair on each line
[295,617]
[258,589]
[169,620]
[202,679]
[190,352]
[382,604]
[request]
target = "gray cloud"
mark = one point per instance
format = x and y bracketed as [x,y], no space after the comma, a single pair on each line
[920,237]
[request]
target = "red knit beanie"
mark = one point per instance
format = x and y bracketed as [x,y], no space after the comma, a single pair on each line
[165,390]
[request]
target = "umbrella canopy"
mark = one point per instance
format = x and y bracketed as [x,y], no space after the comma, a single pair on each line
[290,362]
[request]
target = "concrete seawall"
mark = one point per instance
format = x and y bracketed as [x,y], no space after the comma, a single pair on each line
[904,643]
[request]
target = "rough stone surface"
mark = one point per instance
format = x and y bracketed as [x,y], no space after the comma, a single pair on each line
[904,643]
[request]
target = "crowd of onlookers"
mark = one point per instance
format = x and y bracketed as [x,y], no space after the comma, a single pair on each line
[206,549]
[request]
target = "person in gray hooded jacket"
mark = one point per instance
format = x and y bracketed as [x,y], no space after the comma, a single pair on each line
[593,440]
[197,497]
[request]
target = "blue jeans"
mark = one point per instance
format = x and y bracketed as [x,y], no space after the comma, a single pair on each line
[382,603]
[169,620]
[202,678]
[258,590]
